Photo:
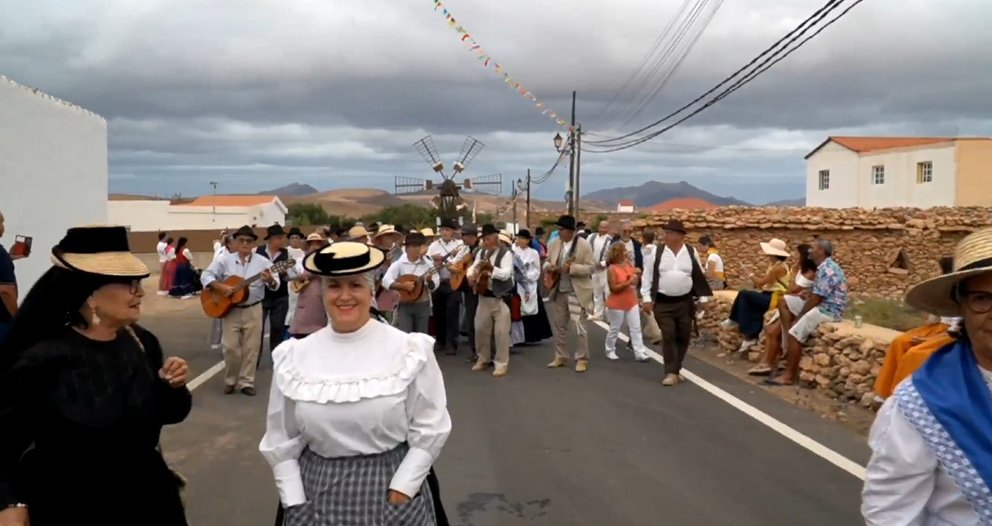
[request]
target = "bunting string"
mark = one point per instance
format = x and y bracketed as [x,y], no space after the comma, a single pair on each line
[489,62]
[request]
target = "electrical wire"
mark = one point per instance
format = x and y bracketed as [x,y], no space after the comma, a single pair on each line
[773,50]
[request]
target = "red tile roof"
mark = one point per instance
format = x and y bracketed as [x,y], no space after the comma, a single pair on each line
[683,203]
[231,200]
[871,144]
[626,202]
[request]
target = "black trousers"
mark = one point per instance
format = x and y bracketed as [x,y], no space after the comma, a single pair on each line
[471,301]
[442,517]
[447,307]
[275,310]
[675,320]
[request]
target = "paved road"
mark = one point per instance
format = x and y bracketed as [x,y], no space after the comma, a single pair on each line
[552,447]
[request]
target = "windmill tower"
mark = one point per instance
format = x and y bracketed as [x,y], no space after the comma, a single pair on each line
[449,202]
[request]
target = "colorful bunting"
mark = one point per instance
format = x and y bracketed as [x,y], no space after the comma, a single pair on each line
[487,60]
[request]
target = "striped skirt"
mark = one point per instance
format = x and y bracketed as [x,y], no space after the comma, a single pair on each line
[353,491]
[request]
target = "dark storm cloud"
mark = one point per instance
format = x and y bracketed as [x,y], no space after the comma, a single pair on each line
[334,94]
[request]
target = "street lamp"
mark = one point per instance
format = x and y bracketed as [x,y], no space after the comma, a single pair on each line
[558,141]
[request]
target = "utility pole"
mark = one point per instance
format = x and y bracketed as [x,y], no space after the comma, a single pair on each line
[578,168]
[571,164]
[516,187]
[214,214]
[527,216]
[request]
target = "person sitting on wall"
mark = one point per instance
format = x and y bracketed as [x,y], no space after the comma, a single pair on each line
[908,351]
[749,308]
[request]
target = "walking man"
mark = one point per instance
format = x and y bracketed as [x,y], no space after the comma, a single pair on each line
[492,318]
[412,316]
[672,281]
[470,300]
[600,243]
[275,306]
[243,325]
[447,304]
[570,258]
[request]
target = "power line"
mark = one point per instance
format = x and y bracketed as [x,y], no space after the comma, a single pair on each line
[735,87]
[773,50]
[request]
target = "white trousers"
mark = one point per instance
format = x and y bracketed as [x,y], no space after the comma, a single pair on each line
[633,319]
[600,289]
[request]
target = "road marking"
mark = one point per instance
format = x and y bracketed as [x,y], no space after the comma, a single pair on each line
[206,375]
[762,417]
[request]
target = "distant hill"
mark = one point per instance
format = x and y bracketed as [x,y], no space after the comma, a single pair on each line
[801,201]
[655,192]
[294,189]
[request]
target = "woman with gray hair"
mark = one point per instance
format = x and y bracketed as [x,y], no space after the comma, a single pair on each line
[357,411]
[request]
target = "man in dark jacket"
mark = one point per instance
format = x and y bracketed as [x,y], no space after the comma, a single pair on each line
[275,306]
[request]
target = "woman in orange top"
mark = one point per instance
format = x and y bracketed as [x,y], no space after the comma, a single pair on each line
[622,302]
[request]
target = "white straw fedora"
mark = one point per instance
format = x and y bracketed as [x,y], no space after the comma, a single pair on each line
[344,258]
[428,232]
[100,250]
[972,256]
[357,231]
[775,247]
[314,237]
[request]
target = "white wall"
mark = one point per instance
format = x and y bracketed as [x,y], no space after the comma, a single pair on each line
[152,216]
[53,172]
[843,166]
[900,188]
[140,216]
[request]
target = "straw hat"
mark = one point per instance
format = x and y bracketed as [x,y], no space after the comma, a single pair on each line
[100,250]
[344,258]
[428,232]
[775,247]
[357,231]
[505,237]
[316,237]
[386,230]
[972,256]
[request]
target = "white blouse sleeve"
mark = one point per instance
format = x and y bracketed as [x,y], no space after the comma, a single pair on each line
[283,444]
[430,423]
[901,474]
[532,264]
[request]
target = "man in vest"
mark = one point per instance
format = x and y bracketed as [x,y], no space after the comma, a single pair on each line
[492,318]
[470,300]
[600,243]
[672,280]
[447,303]
[275,306]
[570,297]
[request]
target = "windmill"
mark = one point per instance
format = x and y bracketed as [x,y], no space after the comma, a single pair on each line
[448,202]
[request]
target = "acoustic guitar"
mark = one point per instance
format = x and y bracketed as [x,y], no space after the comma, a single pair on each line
[216,305]
[419,282]
[460,270]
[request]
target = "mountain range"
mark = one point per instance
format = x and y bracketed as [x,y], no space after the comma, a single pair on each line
[656,192]
[293,189]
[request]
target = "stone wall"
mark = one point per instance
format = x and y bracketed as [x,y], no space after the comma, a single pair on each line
[882,251]
[839,359]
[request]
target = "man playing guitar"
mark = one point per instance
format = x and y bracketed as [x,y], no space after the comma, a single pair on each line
[412,316]
[447,304]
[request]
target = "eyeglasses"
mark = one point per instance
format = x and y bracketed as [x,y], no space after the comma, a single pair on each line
[244,240]
[977,301]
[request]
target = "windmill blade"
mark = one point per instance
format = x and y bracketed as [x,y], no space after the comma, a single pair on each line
[487,184]
[425,147]
[470,148]
[411,185]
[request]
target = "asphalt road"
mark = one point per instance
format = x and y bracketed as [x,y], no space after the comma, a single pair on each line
[553,447]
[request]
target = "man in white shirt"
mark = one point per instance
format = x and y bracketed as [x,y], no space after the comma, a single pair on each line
[447,303]
[600,243]
[162,258]
[492,316]
[412,316]
[243,325]
[570,257]
[217,327]
[297,250]
[671,281]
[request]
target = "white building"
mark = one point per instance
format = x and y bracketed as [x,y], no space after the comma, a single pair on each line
[203,213]
[625,207]
[919,172]
[53,172]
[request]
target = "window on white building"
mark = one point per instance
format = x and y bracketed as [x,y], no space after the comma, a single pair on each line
[824,179]
[924,172]
[878,174]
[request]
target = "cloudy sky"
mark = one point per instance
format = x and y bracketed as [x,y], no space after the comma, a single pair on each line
[333,93]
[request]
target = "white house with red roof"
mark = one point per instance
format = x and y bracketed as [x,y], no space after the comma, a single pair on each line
[625,206]
[210,212]
[920,172]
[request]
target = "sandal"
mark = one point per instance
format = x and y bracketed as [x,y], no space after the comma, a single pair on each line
[760,370]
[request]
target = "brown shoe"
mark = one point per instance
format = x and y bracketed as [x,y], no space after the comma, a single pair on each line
[248,391]
[558,362]
[480,366]
[228,389]
[670,380]
[500,371]
[581,366]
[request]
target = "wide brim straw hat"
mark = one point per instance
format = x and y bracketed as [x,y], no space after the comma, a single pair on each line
[775,247]
[99,250]
[344,258]
[315,237]
[428,232]
[972,257]
[506,238]
[387,230]
[356,232]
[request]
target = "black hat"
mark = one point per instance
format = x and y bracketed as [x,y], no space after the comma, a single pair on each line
[489,229]
[566,222]
[580,224]
[674,225]
[470,229]
[449,223]
[245,231]
[274,230]
[99,250]
[524,233]
[295,231]
[344,258]
[415,239]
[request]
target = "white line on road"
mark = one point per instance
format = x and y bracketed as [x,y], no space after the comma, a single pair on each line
[802,440]
[206,375]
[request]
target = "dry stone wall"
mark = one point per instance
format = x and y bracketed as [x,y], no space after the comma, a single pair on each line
[882,251]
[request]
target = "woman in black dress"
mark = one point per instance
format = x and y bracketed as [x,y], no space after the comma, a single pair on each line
[84,393]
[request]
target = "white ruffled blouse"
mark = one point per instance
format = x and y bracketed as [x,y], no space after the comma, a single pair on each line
[360,393]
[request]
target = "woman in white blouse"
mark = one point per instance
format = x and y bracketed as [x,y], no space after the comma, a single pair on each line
[533,325]
[931,442]
[357,411]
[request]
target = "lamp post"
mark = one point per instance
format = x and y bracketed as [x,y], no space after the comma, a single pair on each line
[214,214]
[571,147]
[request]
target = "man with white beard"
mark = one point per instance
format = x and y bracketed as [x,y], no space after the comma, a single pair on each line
[600,243]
